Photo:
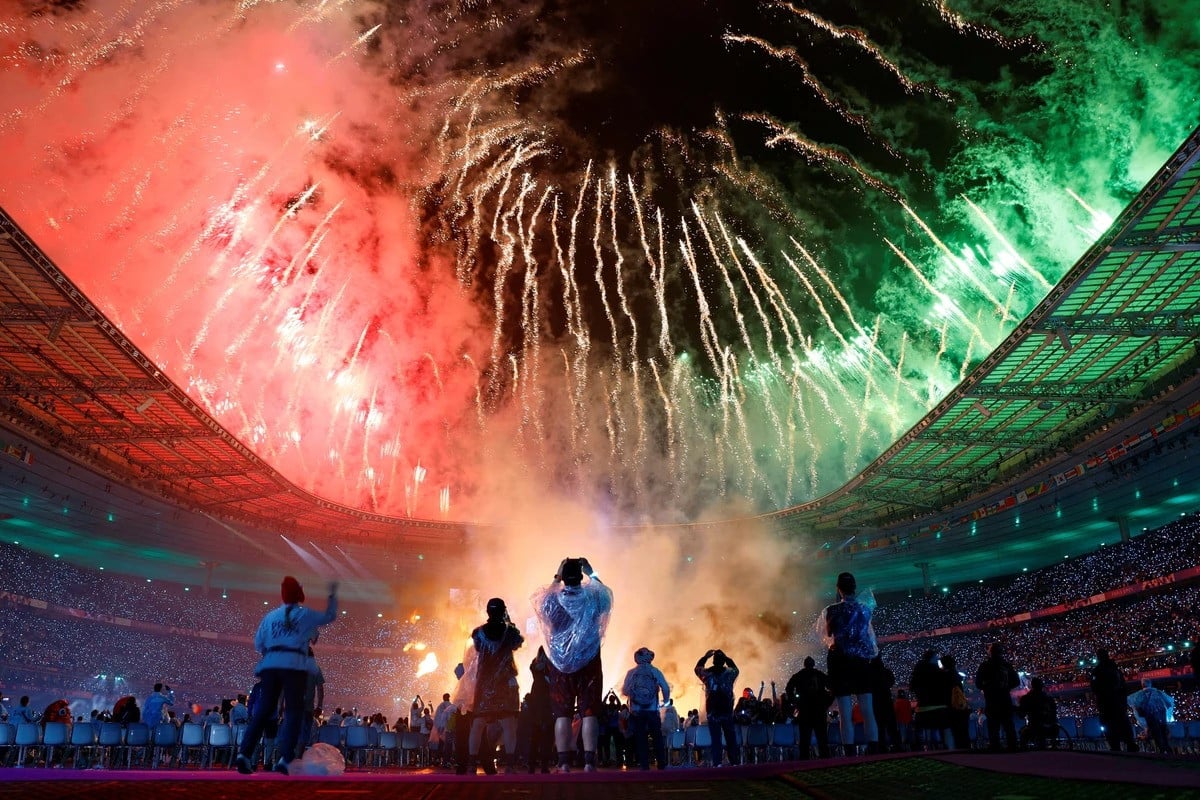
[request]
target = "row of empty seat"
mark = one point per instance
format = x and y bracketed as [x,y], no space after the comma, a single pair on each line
[113,745]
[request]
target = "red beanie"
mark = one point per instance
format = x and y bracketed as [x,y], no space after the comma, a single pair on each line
[291,591]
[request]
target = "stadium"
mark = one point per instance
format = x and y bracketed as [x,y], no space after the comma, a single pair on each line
[1029,483]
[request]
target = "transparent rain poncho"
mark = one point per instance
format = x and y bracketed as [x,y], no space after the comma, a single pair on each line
[573,621]
[489,681]
[853,633]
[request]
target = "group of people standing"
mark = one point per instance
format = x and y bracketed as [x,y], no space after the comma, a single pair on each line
[573,613]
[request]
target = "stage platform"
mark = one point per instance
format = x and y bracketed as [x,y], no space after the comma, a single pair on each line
[965,776]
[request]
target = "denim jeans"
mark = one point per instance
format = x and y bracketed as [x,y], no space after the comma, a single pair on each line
[276,683]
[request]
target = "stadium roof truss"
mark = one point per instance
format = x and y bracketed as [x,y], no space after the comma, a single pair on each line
[1118,329]
[69,377]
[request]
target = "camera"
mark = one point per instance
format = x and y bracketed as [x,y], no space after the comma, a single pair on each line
[571,571]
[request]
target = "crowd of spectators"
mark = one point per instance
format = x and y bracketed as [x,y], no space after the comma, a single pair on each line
[202,645]
[73,649]
[1168,549]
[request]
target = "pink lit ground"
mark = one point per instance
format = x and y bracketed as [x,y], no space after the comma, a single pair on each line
[1057,775]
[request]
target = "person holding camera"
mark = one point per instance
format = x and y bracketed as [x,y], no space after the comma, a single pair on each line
[154,710]
[283,638]
[491,680]
[573,615]
[719,680]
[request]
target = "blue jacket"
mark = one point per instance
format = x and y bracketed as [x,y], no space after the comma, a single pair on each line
[152,709]
[284,634]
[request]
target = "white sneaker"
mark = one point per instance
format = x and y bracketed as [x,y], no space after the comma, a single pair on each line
[589,767]
[562,768]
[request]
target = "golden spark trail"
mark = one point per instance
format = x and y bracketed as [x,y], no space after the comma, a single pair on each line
[720,263]
[762,316]
[783,135]
[668,409]
[529,324]
[572,296]
[770,407]
[773,291]
[639,450]
[657,272]
[615,446]
[1008,247]
[860,38]
[955,260]
[357,43]
[503,265]
[790,56]
[528,236]
[872,339]
[812,291]
[943,298]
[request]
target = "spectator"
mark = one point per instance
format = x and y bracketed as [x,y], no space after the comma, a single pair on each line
[882,681]
[1108,684]
[1155,707]
[809,689]
[573,616]
[904,718]
[958,711]
[642,686]
[283,637]
[154,709]
[931,688]
[996,678]
[1041,715]
[670,719]
[22,713]
[719,680]
[541,715]
[492,682]
[851,641]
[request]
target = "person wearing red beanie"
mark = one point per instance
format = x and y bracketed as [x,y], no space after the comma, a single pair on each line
[282,638]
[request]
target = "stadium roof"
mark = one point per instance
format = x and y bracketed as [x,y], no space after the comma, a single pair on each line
[1117,333]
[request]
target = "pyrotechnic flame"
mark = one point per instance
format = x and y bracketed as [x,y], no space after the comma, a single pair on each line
[428,664]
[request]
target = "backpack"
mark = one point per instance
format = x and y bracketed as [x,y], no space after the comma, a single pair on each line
[1153,706]
[643,689]
[958,699]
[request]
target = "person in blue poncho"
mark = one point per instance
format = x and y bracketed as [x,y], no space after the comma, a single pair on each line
[283,640]
[848,634]
[573,615]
